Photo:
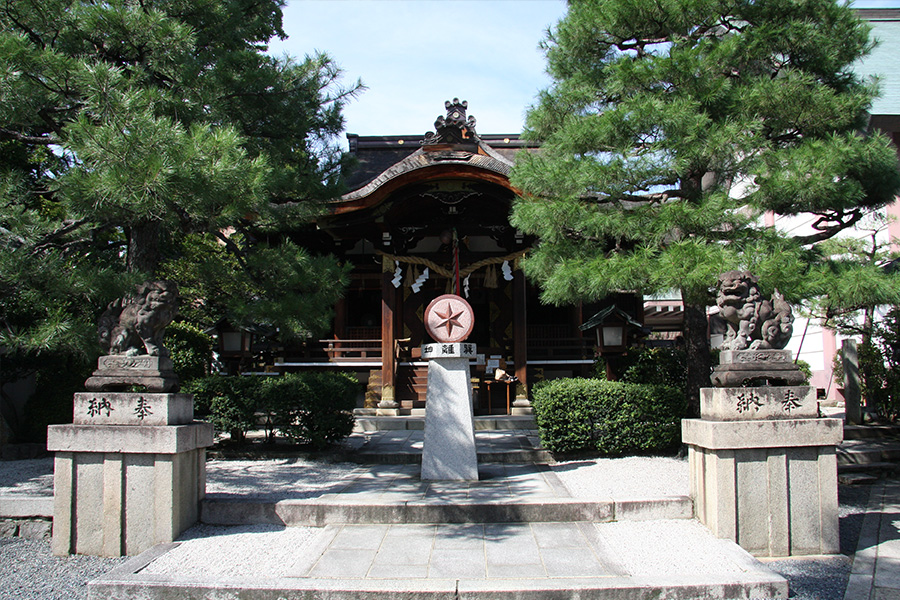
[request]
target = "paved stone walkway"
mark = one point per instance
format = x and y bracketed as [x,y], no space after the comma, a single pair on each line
[461,551]
[405,445]
[876,565]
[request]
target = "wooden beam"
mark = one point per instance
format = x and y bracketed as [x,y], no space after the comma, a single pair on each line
[520,330]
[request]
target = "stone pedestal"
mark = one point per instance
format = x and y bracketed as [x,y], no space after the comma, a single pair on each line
[449,449]
[120,372]
[522,406]
[744,367]
[764,471]
[129,472]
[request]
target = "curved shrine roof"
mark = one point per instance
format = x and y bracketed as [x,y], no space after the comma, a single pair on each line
[455,151]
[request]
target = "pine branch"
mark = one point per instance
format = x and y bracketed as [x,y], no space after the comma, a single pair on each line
[30,139]
[32,35]
[50,239]
[235,251]
[841,221]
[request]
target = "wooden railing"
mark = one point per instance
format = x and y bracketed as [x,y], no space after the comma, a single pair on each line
[352,350]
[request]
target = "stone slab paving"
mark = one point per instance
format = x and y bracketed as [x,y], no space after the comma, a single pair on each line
[477,561]
[405,446]
[875,574]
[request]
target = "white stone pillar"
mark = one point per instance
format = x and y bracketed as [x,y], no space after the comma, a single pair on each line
[764,471]
[129,472]
[449,448]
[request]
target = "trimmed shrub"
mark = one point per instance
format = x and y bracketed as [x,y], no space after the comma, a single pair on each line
[658,366]
[190,350]
[230,402]
[609,417]
[313,408]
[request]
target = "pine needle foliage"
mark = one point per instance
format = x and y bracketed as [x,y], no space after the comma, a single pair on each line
[128,131]
[672,126]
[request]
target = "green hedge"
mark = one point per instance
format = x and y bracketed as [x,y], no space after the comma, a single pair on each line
[307,408]
[609,417]
[313,408]
[229,402]
[190,350]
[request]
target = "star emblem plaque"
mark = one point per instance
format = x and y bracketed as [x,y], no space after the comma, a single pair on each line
[449,319]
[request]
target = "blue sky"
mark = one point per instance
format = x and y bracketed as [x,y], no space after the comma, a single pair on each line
[415,54]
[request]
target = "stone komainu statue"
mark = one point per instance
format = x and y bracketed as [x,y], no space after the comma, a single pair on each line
[754,323]
[135,324]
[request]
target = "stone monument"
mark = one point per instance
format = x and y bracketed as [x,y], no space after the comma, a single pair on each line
[130,469]
[763,465]
[449,448]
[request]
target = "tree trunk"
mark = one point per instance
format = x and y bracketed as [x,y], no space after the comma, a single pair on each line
[143,247]
[699,363]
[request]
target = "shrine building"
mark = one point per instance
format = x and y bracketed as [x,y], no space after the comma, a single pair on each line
[429,215]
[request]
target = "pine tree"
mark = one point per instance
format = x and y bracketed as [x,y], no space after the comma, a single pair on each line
[673,126]
[133,132]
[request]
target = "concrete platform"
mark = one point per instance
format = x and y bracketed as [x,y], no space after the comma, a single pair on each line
[366,422]
[517,532]
[395,494]
[404,446]
[463,561]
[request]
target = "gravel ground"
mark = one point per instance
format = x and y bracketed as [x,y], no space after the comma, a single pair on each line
[633,478]
[28,571]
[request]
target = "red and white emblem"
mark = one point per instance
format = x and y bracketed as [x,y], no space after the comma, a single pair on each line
[449,318]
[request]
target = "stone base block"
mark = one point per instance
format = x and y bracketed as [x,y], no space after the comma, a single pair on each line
[119,490]
[133,408]
[757,403]
[449,452]
[770,486]
[129,439]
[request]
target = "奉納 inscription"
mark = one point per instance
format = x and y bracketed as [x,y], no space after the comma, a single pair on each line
[748,400]
[99,405]
[790,401]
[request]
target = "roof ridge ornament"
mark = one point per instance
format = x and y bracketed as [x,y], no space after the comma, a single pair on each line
[455,128]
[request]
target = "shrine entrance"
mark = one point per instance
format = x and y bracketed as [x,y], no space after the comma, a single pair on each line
[429,216]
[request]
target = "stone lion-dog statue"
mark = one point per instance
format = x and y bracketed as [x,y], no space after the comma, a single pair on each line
[754,323]
[135,325]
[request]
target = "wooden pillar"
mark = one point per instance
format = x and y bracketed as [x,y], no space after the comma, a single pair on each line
[521,405]
[340,319]
[388,404]
[340,325]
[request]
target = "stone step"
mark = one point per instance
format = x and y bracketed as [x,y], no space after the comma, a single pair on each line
[867,451]
[869,432]
[677,560]
[417,422]
[396,494]
[337,510]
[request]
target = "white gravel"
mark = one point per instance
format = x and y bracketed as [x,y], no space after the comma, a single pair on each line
[254,551]
[278,479]
[667,556]
[630,478]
